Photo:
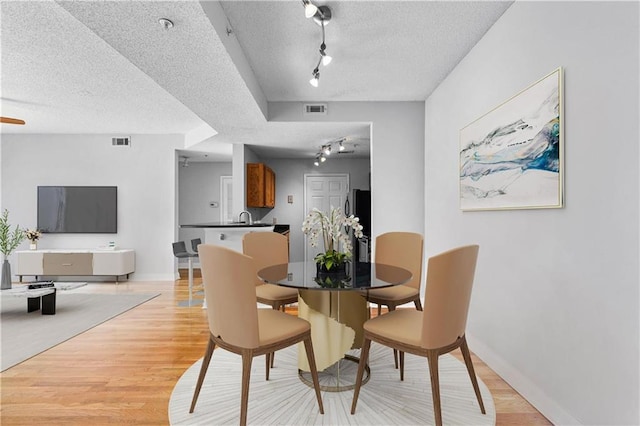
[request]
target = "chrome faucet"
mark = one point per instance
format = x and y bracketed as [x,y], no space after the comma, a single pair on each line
[250,222]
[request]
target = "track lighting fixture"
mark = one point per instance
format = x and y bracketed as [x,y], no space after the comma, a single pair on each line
[326,150]
[321,15]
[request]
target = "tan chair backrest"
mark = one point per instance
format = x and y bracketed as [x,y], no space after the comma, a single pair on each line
[447,296]
[266,249]
[402,249]
[229,279]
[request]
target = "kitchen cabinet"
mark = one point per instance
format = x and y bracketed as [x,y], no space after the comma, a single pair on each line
[261,186]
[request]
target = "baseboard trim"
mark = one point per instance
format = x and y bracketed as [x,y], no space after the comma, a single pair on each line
[532,393]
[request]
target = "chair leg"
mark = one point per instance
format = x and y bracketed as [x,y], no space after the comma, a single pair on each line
[401,366]
[395,351]
[272,355]
[379,309]
[418,304]
[308,347]
[203,371]
[247,357]
[267,365]
[432,357]
[464,348]
[364,357]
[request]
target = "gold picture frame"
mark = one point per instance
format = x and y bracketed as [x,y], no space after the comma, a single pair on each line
[513,156]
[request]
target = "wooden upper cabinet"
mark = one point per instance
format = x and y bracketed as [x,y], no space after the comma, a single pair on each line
[261,186]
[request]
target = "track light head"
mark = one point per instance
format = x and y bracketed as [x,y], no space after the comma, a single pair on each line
[316,78]
[326,149]
[323,159]
[309,9]
[316,162]
[326,59]
[341,147]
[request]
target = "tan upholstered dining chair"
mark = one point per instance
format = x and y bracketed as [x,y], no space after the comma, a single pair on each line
[402,249]
[237,325]
[436,331]
[268,249]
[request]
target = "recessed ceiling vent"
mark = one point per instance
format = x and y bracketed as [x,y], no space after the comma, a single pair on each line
[315,109]
[121,141]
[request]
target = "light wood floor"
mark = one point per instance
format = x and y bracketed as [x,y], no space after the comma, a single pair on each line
[123,371]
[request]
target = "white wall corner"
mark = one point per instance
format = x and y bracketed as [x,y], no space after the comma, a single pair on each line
[532,393]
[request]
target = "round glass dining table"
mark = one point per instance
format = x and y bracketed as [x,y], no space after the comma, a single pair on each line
[336,307]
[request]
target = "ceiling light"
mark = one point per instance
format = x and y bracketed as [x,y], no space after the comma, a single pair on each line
[316,77]
[326,59]
[316,162]
[167,24]
[322,159]
[341,148]
[309,9]
[327,150]
[321,16]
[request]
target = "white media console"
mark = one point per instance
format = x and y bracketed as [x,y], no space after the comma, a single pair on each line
[82,262]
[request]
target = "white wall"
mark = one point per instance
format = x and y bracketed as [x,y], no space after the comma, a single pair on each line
[144,174]
[555,304]
[199,184]
[290,181]
[397,152]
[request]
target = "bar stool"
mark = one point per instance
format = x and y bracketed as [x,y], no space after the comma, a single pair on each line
[180,251]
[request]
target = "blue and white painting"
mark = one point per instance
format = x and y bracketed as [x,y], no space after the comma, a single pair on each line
[511,158]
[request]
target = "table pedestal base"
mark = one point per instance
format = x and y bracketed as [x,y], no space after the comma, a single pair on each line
[336,319]
[340,377]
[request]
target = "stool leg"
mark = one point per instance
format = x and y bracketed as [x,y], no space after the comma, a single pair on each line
[190,279]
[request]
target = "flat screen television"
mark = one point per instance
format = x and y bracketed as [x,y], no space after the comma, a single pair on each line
[78,209]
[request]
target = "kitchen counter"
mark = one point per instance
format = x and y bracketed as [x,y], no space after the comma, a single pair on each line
[225,225]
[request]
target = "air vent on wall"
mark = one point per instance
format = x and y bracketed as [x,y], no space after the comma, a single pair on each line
[315,109]
[121,141]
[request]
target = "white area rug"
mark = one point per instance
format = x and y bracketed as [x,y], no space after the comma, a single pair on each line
[24,334]
[285,400]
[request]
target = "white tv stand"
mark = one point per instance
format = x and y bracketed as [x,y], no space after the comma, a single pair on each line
[81,262]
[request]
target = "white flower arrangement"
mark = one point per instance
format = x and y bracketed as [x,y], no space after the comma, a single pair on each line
[334,229]
[32,235]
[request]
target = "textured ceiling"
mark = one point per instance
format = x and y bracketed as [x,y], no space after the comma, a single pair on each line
[109,67]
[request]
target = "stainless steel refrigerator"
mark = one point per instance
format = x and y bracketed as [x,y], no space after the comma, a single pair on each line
[359,204]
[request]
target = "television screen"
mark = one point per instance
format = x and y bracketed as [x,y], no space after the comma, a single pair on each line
[78,209]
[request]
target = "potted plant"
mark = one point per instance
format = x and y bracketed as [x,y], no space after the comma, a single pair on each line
[334,229]
[8,242]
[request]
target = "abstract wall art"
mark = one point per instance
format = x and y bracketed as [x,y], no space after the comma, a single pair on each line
[512,157]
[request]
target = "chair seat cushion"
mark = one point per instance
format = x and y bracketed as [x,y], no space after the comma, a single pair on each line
[275,292]
[402,325]
[395,293]
[275,326]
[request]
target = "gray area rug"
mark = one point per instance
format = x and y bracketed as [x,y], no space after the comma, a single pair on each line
[285,400]
[24,334]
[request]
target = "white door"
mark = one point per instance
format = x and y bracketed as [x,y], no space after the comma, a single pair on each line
[323,192]
[226,195]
